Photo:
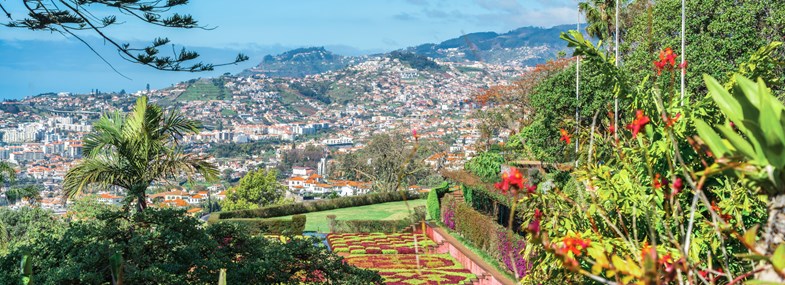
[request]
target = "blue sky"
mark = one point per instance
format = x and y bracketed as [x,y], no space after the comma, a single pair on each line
[37,62]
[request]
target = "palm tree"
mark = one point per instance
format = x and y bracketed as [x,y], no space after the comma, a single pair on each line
[600,18]
[133,151]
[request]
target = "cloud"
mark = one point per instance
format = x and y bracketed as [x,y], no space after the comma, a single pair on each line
[508,6]
[405,17]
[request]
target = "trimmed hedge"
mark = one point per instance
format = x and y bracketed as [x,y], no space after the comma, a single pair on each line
[320,205]
[373,226]
[295,226]
[433,204]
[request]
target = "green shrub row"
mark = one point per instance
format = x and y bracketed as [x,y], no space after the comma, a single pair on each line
[295,226]
[479,229]
[315,206]
[376,226]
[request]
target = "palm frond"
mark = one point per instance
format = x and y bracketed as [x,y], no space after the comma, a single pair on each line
[106,134]
[101,171]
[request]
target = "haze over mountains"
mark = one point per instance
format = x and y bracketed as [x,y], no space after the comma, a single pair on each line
[71,67]
[526,46]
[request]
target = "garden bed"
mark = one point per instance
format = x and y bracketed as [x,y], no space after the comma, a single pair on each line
[379,243]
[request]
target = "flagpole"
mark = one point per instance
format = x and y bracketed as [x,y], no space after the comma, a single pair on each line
[616,96]
[683,47]
[577,93]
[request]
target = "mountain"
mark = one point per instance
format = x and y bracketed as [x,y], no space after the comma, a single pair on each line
[301,62]
[526,46]
[522,46]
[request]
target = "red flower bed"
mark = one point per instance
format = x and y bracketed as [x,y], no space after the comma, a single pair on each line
[378,243]
[403,261]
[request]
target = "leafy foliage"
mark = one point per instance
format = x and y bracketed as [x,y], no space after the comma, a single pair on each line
[433,204]
[486,165]
[256,189]
[166,246]
[314,206]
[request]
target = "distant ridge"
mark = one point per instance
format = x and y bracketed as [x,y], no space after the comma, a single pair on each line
[301,62]
[526,46]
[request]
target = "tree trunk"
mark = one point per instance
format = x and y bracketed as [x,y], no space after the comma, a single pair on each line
[142,202]
[773,236]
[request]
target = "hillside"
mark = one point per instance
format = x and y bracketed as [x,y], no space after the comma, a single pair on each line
[522,46]
[301,62]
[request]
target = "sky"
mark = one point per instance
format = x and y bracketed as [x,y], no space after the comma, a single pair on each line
[34,62]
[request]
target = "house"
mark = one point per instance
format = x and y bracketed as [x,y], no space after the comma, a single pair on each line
[110,199]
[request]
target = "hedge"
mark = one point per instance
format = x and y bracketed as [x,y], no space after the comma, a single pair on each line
[373,226]
[484,233]
[315,206]
[295,226]
[433,205]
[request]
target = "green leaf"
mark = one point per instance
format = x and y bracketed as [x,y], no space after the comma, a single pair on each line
[730,107]
[711,138]
[778,258]
[738,142]
[749,236]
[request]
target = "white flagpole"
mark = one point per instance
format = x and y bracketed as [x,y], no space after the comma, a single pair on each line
[577,92]
[683,47]
[616,99]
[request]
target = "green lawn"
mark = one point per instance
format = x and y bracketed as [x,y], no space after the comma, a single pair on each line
[317,221]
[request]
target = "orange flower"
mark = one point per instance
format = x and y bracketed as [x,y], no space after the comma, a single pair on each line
[565,136]
[667,61]
[724,217]
[638,123]
[669,123]
[575,244]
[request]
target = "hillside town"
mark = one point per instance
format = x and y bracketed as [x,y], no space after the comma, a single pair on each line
[42,135]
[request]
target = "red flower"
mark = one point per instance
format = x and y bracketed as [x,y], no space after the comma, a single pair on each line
[677,185]
[724,217]
[531,189]
[534,226]
[575,244]
[669,123]
[565,136]
[638,123]
[414,133]
[511,177]
[683,66]
[667,61]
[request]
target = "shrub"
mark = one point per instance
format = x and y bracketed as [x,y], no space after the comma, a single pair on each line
[467,194]
[320,205]
[295,226]
[433,205]
[486,165]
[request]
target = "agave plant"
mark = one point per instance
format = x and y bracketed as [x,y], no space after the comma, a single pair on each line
[753,142]
[135,150]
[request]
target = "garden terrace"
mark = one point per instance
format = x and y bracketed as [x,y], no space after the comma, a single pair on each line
[379,243]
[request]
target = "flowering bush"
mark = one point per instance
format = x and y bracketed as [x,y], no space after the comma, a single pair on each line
[511,247]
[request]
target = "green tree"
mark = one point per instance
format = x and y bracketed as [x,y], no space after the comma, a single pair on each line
[600,18]
[168,247]
[133,151]
[256,189]
[72,18]
[720,35]
[7,173]
[30,193]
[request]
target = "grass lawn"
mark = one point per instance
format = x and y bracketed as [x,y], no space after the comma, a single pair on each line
[317,221]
